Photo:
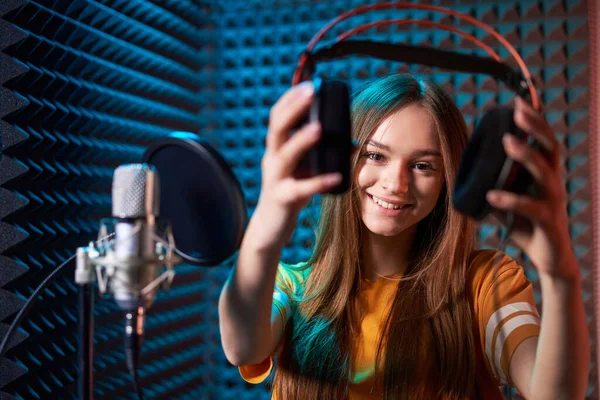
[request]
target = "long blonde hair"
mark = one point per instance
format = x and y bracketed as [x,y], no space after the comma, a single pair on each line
[430,305]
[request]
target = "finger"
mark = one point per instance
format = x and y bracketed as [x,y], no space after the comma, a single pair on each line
[288,110]
[522,205]
[305,188]
[534,124]
[292,151]
[531,159]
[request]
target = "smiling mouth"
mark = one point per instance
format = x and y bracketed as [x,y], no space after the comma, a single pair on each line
[386,205]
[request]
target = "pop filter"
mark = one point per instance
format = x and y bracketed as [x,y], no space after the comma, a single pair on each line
[200,197]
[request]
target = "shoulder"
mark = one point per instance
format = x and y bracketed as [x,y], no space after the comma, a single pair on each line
[492,268]
[483,262]
[496,280]
[486,257]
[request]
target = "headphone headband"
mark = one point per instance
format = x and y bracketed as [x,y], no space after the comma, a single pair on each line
[521,84]
[421,55]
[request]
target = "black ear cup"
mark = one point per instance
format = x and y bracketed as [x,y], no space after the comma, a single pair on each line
[331,107]
[485,166]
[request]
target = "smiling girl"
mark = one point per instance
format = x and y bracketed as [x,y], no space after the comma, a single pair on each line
[395,301]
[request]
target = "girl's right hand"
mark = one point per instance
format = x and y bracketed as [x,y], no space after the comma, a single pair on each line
[282,195]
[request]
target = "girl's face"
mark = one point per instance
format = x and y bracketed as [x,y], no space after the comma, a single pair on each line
[400,173]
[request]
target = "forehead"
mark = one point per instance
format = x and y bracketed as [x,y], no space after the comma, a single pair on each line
[408,129]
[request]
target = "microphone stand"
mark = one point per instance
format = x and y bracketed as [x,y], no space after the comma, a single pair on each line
[84,277]
[100,262]
[85,361]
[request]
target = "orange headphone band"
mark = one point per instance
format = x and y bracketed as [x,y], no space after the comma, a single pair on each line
[403,5]
[362,28]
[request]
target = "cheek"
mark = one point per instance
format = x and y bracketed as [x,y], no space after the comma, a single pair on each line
[365,177]
[428,189]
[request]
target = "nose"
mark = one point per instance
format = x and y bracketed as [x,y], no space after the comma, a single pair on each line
[395,179]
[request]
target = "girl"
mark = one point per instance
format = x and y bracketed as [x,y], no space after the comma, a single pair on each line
[395,302]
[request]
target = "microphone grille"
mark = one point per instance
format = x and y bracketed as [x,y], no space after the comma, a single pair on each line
[135,191]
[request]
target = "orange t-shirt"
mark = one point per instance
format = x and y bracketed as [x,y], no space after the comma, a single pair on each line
[504,315]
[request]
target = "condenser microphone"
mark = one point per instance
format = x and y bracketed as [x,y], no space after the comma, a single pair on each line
[135,209]
[202,222]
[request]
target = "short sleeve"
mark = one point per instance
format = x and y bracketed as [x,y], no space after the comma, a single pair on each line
[288,285]
[257,373]
[505,309]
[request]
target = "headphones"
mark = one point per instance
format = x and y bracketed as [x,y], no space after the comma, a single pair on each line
[484,165]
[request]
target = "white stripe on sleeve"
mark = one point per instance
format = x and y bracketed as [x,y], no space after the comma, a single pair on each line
[496,319]
[504,332]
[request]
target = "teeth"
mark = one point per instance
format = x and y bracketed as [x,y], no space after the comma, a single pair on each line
[385,204]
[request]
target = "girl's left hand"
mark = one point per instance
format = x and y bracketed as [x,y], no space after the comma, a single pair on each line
[542,225]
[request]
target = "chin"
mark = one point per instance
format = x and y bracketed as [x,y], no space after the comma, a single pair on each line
[384,229]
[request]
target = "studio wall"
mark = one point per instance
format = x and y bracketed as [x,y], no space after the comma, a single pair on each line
[86,85]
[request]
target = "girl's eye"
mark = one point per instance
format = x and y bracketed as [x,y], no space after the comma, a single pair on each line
[423,167]
[374,156]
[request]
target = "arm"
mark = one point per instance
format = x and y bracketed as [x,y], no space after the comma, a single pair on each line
[249,333]
[555,365]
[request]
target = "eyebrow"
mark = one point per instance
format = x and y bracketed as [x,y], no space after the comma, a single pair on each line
[416,153]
